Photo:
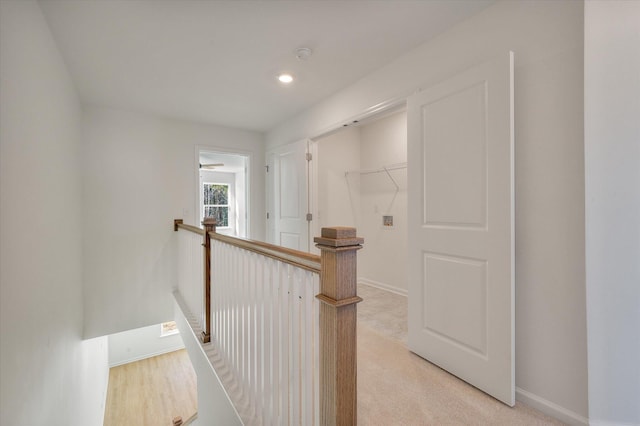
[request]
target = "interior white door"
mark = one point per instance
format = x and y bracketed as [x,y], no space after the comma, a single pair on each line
[461,226]
[287,170]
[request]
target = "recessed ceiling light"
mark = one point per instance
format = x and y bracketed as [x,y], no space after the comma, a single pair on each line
[285,78]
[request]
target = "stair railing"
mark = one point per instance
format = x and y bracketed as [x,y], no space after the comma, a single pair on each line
[282,323]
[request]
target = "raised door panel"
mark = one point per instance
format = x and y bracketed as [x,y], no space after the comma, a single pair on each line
[461,251]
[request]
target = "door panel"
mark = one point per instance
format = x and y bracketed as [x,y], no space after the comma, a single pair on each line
[455,154]
[287,194]
[461,321]
[461,251]
[289,183]
[290,240]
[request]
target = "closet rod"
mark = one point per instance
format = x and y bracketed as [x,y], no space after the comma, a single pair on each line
[385,169]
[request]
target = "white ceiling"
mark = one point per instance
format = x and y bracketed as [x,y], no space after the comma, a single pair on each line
[232,163]
[217,61]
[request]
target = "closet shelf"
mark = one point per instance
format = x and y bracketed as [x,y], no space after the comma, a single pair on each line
[384,169]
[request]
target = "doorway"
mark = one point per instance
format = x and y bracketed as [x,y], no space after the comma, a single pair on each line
[361,182]
[458,217]
[222,191]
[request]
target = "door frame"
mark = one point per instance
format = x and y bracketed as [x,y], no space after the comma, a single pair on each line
[373,112]
[248,155]
[271,226]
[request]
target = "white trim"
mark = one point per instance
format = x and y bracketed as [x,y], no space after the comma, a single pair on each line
[383,286]
[168,333]
[608,423]
[550,408]
[312,195]
[380,108]
[145,356]
[248,175]
[196,348]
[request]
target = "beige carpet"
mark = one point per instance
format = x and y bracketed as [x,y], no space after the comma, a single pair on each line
[396,387]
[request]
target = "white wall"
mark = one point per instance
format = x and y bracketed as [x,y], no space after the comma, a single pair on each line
[361,200]
[383,261]
[612,170]
[547,38]
[338,197]
[49,375]
[140,343]
[241,205]
[139,173]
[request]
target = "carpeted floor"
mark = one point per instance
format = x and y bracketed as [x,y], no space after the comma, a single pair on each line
[396,387]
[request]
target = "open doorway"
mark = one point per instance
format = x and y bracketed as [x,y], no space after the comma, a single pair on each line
[361,181]
[222,191]
[459,219]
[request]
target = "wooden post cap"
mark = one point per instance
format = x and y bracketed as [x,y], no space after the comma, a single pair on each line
[338,236]
[209,221]
[338,232]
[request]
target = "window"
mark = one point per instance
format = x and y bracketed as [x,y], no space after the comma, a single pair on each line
[216,202]
[168,328]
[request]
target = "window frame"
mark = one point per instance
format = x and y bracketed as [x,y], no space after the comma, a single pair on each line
[228,205]
[164,333]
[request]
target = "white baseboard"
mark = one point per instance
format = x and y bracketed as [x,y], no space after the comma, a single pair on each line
[145,356]
[550,408]
[608,423]
[382,286]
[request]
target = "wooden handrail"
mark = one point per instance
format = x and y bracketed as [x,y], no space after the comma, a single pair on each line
[177,224]
[297,258]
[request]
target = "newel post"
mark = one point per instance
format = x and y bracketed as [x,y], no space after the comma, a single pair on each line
[209,224]
[338,362]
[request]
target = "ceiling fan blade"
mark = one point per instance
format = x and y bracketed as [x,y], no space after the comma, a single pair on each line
[211,166]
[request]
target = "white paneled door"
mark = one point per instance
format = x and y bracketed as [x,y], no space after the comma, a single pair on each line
[287,209]
[461,226]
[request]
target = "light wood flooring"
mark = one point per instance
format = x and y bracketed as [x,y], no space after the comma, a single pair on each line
[397,387]
[151,392]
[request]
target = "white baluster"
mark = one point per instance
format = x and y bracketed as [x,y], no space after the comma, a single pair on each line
[265,326]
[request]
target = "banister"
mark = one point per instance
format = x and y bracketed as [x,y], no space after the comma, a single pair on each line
[338,315]
[209,224]
[298,258]
[337,269]
[177,224]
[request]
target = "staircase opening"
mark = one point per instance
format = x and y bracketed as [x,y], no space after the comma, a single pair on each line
[151,378]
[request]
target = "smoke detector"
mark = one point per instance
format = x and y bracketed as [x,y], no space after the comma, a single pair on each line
[303,53]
